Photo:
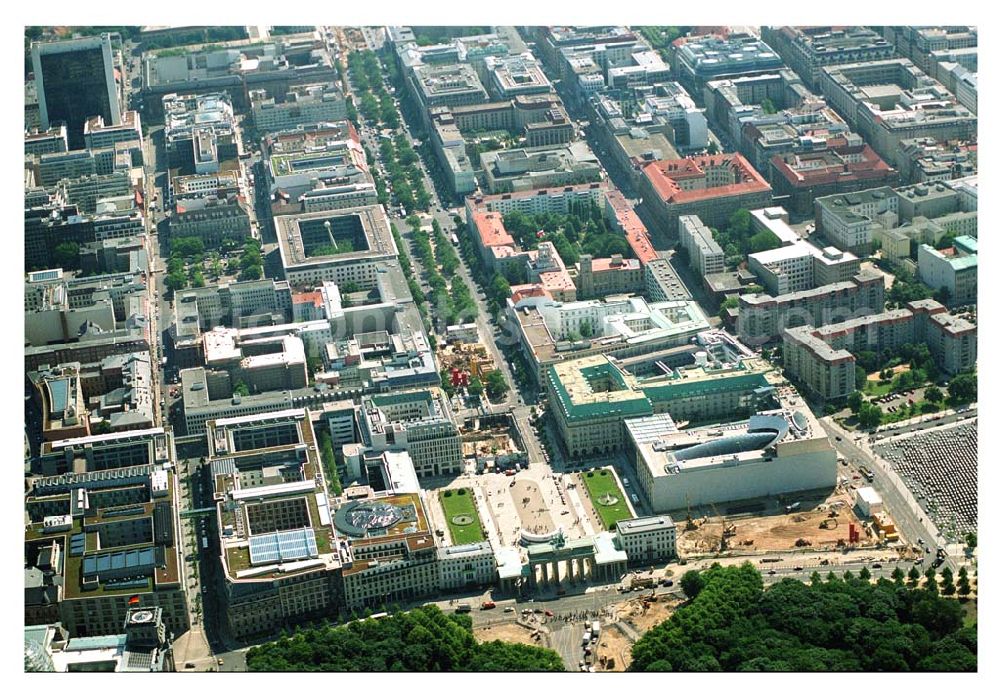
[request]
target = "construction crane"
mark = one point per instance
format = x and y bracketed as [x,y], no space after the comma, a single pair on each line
[727,530]
[691,525]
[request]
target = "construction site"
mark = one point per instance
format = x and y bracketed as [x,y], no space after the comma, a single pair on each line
[629,621]
[512,632]
[816,524]
[492,444]
[463,361]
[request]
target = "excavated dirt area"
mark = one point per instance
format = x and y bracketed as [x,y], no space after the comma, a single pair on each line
[507,632]
[769,533]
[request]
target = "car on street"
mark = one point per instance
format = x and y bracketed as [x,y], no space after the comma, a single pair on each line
[771,572]
[798,568]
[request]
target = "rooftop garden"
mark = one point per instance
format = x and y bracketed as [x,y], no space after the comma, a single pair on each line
[237,559]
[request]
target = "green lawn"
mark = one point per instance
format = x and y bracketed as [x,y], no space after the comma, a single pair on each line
[456,504]
[878,389]
[601,482]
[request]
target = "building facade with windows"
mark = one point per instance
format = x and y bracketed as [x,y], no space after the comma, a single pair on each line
[647,540]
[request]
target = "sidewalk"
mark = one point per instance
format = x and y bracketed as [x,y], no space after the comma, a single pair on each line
[192,646]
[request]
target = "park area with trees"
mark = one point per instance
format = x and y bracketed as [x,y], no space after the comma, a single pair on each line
[425,639]
[733,624]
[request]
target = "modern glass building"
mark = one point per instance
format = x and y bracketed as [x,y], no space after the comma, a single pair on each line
[75,80]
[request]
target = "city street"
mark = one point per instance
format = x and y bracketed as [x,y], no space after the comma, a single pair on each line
[911,521]
[438,211]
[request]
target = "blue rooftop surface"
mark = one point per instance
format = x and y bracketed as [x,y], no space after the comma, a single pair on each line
[966,244]
[95,642]
[58,394]
[285,545]
[112,562]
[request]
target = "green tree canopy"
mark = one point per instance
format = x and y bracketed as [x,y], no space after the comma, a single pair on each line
[963,388]
[67,255]
[854,400]
[425,639]
[496,385]
[870,415]
[475,386]
[734,624]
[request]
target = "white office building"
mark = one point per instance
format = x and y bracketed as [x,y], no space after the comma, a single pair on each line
[704,253]
[647,540]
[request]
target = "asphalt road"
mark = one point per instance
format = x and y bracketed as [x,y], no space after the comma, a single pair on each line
[440,213]
[913,526]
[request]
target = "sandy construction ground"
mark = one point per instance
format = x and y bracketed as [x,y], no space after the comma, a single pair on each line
[507,632]
[615,649]
[768,533]
[644,619]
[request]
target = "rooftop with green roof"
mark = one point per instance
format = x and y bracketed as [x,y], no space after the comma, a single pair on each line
[594,387]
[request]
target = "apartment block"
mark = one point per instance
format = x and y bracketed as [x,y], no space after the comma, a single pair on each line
[762,318]
[822,359]
[848,220]
[647,540]
[887,101]
[702,59]
[52,140]
[598,277]
[956,272]
[797,265]
[280,555]
[419,423]
[705,256]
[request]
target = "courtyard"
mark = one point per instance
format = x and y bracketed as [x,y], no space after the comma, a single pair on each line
[607,498]
[461,516]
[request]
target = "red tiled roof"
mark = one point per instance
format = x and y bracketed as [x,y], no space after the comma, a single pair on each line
[635,231]
[527,291]
[662,174]
[604,264]
[491,230]
[835,170]
[314,297]
[557,279]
